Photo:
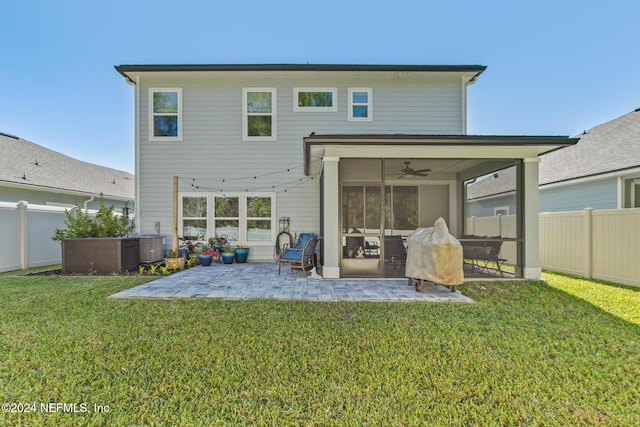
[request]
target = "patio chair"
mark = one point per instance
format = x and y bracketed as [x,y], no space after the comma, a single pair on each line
[302,255]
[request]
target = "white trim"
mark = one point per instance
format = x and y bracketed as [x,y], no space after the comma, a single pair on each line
[273,114]
[500,208]
[599,177]
[632,199]
[368,104]
[334,100]
[178,114]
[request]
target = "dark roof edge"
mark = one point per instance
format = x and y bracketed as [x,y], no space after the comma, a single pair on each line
[123,69]
[449,139]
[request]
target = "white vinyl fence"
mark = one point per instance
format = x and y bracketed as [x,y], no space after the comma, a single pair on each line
[25,235]
[501,225]
[599,244]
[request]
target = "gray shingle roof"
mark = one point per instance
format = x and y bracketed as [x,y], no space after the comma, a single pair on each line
[609,147]
[56,172]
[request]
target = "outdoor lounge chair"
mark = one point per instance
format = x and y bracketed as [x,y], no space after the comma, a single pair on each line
[483,253]
[302,255]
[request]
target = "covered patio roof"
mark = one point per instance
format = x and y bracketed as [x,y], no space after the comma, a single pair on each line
[427,146]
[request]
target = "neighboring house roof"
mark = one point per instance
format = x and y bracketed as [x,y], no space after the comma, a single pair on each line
[501,182]
[28,165]
[613,146]
[610,147]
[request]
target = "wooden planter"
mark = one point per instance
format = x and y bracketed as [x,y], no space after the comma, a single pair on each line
[101,255]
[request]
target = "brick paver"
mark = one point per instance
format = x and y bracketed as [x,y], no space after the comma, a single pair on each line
[260,280]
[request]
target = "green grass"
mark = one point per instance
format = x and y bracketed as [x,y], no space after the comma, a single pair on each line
[527,353]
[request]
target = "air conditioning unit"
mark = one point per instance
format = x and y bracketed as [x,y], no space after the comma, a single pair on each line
[151,248]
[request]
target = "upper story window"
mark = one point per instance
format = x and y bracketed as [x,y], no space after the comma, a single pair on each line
[360,100]
[259,114]
[165,114]
[315,99]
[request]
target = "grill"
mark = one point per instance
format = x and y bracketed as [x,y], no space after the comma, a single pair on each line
[434,255]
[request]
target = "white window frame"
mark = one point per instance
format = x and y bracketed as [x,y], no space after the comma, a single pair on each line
[152,137]
[181,211]
[497,209]
[334,98]
[242,218]
[368,104]
[245,115]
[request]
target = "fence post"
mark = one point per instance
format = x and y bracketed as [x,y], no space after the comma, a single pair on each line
[23,228]
[588,242]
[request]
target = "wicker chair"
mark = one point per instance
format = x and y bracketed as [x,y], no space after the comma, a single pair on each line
[302,255]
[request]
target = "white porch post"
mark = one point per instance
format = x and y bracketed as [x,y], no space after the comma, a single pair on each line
[531,266]
[331,231]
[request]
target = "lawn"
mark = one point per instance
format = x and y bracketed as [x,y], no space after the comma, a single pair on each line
[526,353]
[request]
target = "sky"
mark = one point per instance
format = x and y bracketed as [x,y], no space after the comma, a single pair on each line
[554,67]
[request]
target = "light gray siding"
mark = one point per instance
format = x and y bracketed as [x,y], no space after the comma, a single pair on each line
[213,149]
[10,194]
[486,207]
[595,194]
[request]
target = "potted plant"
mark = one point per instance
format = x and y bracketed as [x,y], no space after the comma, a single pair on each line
[174,260]
[207,256]
[217,242]
[242,254]
[227,254]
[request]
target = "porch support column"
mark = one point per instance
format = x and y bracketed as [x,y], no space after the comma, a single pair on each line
[331,233]
[531,260]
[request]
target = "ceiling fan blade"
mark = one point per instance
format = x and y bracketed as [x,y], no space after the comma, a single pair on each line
[421,171]
[420,174]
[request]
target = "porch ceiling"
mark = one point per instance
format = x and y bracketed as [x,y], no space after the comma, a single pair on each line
[440,153]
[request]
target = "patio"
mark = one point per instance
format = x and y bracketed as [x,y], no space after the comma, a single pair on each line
[260,280]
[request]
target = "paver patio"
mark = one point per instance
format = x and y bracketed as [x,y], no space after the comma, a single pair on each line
[260,280]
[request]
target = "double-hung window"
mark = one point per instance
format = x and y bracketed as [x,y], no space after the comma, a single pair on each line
[194,217]
[246,219]
[360,101]
[259,114]
[165,114]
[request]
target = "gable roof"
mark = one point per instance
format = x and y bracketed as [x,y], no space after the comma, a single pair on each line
[28,165]
[610,147]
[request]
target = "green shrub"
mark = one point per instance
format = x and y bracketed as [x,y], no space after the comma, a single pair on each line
[103,224]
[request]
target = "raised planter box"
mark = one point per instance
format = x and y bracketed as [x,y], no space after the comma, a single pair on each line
[102,255]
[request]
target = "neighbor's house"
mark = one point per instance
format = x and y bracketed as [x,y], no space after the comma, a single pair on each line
[360,154]
[602,171]
[30,172]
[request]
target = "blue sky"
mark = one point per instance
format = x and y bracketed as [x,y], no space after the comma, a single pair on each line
[555,67]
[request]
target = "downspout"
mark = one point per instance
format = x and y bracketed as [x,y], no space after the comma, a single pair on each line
[89,200]
[465,88]
[136,144]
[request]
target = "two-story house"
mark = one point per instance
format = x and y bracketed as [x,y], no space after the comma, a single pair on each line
[360,154]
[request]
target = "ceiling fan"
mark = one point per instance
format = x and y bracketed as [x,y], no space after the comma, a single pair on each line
[410,171]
